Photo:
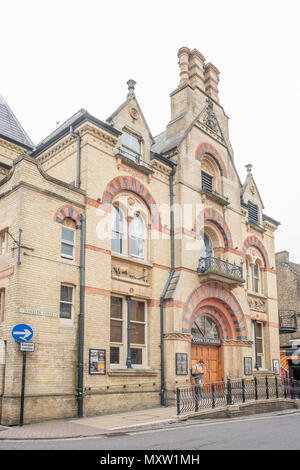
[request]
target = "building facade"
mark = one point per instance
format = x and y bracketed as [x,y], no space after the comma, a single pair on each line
[288,287]
[131,257]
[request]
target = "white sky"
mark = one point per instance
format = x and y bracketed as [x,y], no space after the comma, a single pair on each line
[59,56]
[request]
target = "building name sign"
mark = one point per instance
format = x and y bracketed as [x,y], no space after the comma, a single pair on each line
[37,312]
[201,340]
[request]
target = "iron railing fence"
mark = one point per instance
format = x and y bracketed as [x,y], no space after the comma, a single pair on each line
[220,266]
[234,391]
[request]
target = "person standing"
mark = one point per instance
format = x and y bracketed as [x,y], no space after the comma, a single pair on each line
[198,372]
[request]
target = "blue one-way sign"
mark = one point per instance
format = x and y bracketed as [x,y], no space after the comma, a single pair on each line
[22,333]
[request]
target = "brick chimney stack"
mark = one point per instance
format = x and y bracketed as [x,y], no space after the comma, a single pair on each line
[196,69]
[183,55]
[197,81]
[211,74]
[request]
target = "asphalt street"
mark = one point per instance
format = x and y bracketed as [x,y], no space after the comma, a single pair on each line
[261,432]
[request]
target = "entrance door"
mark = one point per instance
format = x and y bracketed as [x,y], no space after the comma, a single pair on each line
[211,355]
[206,345]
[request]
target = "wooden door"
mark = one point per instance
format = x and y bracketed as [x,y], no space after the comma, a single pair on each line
[212,358]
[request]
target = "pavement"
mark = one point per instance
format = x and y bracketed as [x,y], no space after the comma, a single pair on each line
[113,424]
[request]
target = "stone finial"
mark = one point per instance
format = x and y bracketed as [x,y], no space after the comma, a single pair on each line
[183,55]
[249,168]
[131,84]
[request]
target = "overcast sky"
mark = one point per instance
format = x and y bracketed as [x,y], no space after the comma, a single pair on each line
[60,56]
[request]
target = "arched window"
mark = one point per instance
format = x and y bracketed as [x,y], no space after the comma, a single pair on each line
[117,230]
[129,227]
[137,236]
[206,248]
[204,330]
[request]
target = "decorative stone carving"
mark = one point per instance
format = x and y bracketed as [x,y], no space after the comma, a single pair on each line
[134,273]
[257,304]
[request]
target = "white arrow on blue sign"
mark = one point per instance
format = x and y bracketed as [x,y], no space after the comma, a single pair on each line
[22,333]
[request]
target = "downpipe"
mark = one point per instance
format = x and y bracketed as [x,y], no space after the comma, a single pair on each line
[81,321]
[78,175]
[162,298]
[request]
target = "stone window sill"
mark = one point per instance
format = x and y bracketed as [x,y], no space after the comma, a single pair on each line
[132,372]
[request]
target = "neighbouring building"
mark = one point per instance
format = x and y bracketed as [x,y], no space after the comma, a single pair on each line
[131,256]
[288,287]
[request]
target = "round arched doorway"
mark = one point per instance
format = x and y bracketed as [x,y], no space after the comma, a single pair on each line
[206,345]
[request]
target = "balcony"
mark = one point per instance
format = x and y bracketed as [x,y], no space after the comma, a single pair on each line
[287,322]
[216,269]
[134,161]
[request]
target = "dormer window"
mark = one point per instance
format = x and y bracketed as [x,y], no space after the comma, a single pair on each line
[131,145]
[253,213]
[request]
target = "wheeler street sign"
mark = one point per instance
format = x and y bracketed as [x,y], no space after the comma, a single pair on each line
[22,333]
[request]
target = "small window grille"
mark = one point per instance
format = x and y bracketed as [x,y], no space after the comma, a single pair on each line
[206,181]
[252,212]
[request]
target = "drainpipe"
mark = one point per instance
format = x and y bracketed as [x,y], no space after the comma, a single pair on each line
[77,136]
[81,320]
[162,298]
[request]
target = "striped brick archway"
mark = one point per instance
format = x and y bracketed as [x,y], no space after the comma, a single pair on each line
[68,212]
[254,241]
[129,183]
[214,216]
[213,299]
[206,148]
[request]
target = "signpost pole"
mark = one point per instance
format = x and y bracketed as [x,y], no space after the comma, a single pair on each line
[23,388]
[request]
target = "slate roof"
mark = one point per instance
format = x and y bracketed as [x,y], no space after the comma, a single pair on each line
[10,128]
[78,118]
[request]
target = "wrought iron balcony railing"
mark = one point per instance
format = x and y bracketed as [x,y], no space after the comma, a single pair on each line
[288,322]
[220,267]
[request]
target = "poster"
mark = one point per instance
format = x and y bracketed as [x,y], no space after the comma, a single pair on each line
[97,361]
[181,364]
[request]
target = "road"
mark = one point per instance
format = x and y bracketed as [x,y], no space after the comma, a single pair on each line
[276,431]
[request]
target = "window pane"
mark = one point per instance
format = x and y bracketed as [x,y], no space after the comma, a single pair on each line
[65,310]
[258,330]
[67,250]
[114,355]
[68,235]
[137,247]
[66,294]
[116,242]
[137,311]
[116,307]
[259,346]
[116,331]
[136,227]
[136,356]
[137,333]
[132,142]
[117,219]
